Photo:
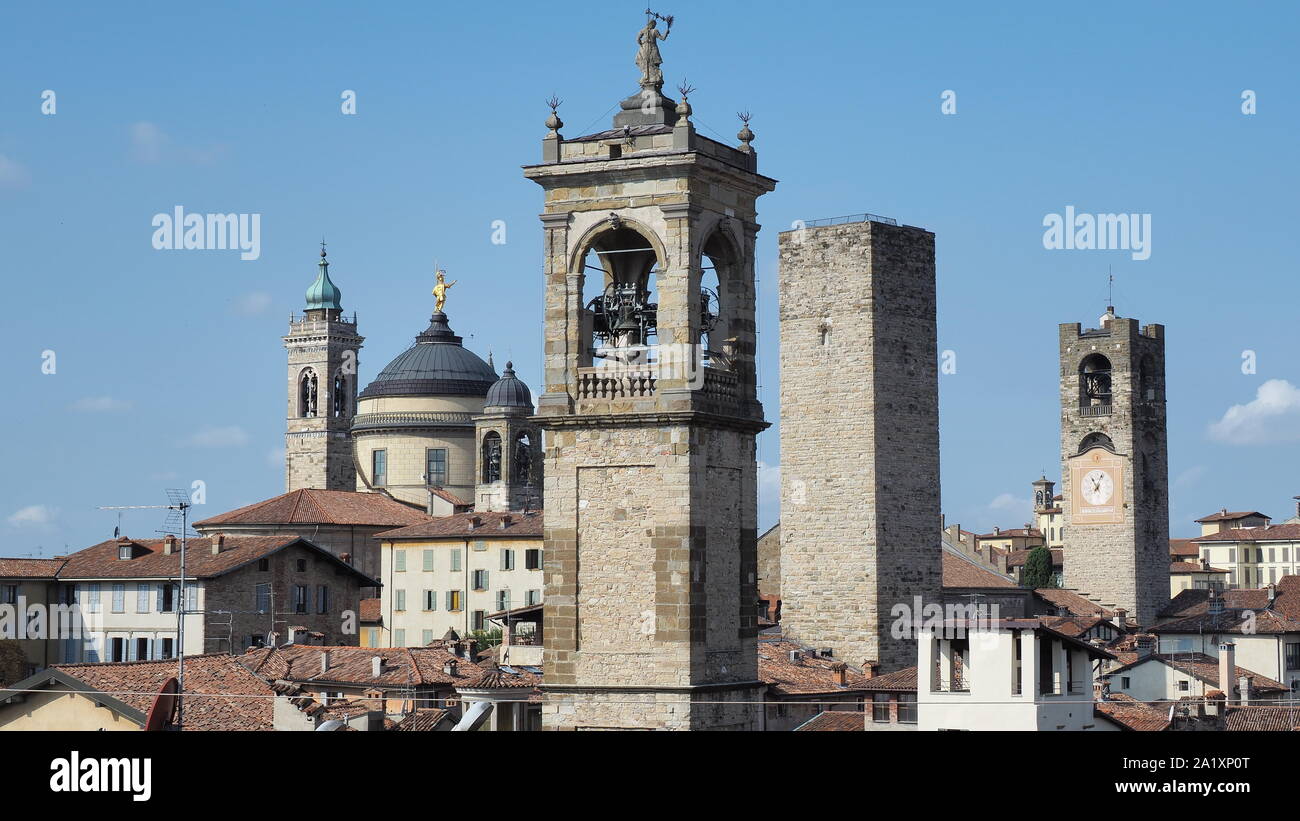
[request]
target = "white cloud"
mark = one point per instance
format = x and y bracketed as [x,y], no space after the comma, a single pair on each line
[1272,416]
[13,174]
[253,303]
[1191,476]
[100,404]
[150,144]
[231,436]
[32,515]
[1009,503]
[275,457]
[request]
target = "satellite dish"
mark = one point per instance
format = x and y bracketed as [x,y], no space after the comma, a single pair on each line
[163,707]
[332,724]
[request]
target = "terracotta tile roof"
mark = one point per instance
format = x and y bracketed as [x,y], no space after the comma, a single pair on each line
[371,610]
[1183,547]
[835,721]
[1073,603]
[507,677]
[323,507]
[215,684]
[899,681]
[1016,558]
[1229,515]
[1073,626]
[1262,717]
[448,496]
[1132,714]
[1192,567]
[808,676]
[1264,533]
[29,568]
[1189,611]
[1013,533]
[423,720]
[101,561]
[962,572]
[1205,668]
[403,666]
[457,526]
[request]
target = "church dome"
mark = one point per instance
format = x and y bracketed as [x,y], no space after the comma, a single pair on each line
[323,294]
[436,365]
[509,391]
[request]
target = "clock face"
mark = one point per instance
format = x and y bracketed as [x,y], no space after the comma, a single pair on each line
[1098,487]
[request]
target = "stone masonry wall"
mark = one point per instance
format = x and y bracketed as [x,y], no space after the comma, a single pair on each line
[860,513]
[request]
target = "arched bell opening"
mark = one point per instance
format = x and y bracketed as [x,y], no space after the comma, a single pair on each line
[1094,381]
[307,393]
[620,294]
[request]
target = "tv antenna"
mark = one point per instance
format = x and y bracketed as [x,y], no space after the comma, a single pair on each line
[177,523]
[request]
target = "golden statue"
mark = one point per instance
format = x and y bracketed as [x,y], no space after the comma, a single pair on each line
[440,290]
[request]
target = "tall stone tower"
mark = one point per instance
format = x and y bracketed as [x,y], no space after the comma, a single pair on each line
[322,384]
[650,413]
[1114,464]
[860,513]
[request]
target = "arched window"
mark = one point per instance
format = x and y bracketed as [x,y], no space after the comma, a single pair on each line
[1094,380]
[491,457]
[718,285]
[1093,440]
[339,406]
[523,464]
[619,294]
[307,393]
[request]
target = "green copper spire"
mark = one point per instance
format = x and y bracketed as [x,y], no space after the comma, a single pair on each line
[323,293]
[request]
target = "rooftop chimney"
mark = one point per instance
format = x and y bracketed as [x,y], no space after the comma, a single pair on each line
[870,668]
[1145,646]
[1121,618]
[796,657]
[1227,668]
[377,666]
[1244,684]
[996,530]
[474,522]
[346,558]
[324,661]
[841,671]
[169,544]
[505,521]
[1272,593]
[471,649]
[218,542]
[450,667]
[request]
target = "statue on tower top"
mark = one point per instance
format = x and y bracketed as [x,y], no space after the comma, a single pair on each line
[648,58]
[440,290]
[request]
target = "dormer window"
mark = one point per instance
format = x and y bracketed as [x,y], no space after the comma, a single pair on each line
[126,551]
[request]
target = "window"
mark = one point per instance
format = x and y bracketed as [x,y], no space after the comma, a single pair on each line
[263,565]
[880,708]
[430,600]
[399,602]
[10,594]
[399,638]
[141,650]
[480,619]
[503,600]
[125,551]
[533,597]
[1232,554]
[322,599]
[435,466]
[117,649]
[119,597]
[907,708]
[301,565]
[428,561]
[92,597]
[307,393]
[1183,686]
[192,596]
[533,559]
[507,559]
[479,545]
[455,559]
[399,561]
[426,638]
[262,597]
[479,579]
[1293,656]
[168,647]
[300,598]
[379,467]
[453,600]
[339,405]
[1272,554]
[166,598]
[1205,554]
[1125,683]
[491,470]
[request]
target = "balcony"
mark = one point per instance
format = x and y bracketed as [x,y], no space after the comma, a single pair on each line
[1094,410]
[616,382]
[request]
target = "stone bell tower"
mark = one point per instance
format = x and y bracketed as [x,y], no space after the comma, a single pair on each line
[322,383]
[650,414]
[1114,464]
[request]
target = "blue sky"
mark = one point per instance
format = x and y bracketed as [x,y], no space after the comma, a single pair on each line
[169,363]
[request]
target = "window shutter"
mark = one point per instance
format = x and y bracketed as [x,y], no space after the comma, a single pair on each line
[449,607]
[428,561]
[160,598]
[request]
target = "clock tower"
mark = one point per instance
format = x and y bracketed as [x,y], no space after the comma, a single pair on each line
[1114,464]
